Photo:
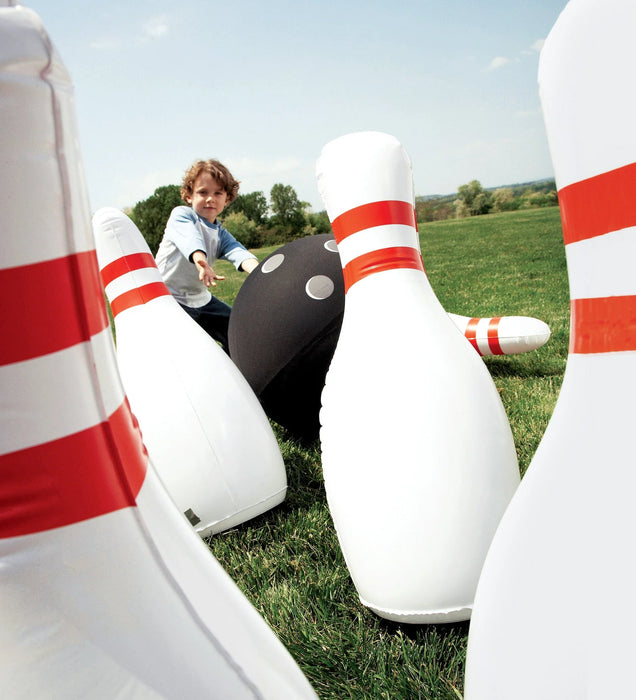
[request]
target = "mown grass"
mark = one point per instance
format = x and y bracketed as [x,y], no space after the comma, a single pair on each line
[288,562]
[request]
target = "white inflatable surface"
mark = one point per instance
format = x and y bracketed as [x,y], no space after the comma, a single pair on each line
[206,432]
[417,452]
[552,616]
[106,590]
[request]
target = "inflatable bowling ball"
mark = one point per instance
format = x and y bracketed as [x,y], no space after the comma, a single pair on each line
[284,327]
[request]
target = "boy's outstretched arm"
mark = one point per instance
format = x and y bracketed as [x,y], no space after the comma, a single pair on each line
[206,273]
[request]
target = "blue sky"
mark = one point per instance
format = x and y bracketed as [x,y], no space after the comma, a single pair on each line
[264,85]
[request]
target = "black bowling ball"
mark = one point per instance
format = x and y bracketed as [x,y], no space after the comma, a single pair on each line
[284,327]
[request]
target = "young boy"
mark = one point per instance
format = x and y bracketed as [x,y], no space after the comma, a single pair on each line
[194,239]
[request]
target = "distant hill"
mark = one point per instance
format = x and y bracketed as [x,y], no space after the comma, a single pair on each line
[544,185]
[521,195]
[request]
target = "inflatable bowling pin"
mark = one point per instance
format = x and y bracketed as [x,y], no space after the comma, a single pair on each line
[205,430]
[503,335]
[418,457]
[106,591]
[552,614]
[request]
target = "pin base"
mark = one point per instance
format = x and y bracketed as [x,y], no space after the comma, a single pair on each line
[242,516]
[422,617]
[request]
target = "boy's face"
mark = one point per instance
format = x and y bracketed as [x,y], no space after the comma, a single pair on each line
[208,197]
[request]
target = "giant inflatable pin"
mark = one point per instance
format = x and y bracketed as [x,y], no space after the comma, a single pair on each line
[206,433]
[553,616]
[503,335]
[418,457]
[106,590]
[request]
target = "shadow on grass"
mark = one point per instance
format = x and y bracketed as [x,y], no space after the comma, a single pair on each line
[511,366]
[419,632]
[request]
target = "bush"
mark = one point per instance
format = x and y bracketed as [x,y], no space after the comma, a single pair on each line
[503,199]
[539,199]
[246,231]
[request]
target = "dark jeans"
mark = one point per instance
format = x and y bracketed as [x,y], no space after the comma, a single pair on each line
[214,318]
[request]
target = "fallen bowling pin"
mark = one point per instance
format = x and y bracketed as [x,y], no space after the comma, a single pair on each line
[418,457]
[553,617]
[503,335]
[203,426]
[106,590]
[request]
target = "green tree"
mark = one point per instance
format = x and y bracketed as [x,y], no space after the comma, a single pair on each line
[285,202]
[473,200]
[319,221]
[253,205]
[151,215]
[287,211]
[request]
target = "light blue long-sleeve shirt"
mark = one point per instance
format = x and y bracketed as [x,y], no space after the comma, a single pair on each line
[186,232]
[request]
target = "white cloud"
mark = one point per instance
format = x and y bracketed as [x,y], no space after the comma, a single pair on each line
[498,62]
[538,45]
[155,27]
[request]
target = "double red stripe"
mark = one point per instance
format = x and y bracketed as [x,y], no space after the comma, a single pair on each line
[590,208]
[137,295]
[49,306]
[492,333]
[81,476]
[372,215]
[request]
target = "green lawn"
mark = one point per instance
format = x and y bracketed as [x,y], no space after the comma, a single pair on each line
[288,562]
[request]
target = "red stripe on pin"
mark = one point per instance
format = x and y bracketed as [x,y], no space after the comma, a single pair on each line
[138,296]
[65,289]
[80,476]
[125,264]
[493,336]
[605,324]
[381,260]
[471,333]
[599,205]
[372,215]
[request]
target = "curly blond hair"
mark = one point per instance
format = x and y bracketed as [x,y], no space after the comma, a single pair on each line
[217,170]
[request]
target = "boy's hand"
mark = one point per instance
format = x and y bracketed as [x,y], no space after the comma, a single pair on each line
[206,273]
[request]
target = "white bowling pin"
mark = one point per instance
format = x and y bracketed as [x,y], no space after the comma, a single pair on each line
[418,457]
[205,430]
[503,335]
[106,591]
[552,615]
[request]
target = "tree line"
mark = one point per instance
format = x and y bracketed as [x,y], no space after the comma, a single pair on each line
[257,222]
[472,199]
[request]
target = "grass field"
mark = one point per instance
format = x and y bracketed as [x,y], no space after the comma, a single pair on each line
[288,562]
